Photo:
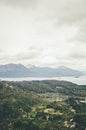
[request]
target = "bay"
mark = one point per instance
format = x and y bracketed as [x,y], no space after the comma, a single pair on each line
[80,80]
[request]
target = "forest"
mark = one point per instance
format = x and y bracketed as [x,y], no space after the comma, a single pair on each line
[42,105]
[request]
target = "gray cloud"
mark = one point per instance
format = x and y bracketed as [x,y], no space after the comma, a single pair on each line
[5,58]
[81,34]
[40,31]
[72,11]
[67,11]
[30,55]
[18,3]
[78,54]
[1,51]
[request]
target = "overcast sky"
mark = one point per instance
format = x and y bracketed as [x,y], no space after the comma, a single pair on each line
[43,32]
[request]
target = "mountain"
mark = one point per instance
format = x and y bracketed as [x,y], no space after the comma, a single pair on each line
[84,72]
[19,70]
[14,70]
[55,72]
[65,71]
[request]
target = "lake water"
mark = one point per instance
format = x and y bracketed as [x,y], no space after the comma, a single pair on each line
[81,80]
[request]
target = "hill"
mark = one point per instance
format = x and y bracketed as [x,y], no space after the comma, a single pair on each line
[42,105]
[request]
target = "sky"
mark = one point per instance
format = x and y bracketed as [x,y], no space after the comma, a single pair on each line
[43,32]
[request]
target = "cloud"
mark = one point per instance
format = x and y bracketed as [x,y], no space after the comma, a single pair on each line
[81,34]
[31,54]
[43,32]
[67,11]
[80,54]
[72,11]
[18,3]
[1,51]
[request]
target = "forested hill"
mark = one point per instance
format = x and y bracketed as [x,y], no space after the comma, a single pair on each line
[42,105]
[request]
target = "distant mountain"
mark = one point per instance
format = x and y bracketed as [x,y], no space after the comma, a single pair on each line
[84,72]
[19,70]
[55,72]
[14,70]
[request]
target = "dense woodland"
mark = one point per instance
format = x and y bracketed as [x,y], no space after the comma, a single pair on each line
[42,105]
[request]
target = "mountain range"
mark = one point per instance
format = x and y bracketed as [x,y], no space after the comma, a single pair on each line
[19,70]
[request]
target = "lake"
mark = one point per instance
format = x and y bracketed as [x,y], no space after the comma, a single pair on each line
[81,80]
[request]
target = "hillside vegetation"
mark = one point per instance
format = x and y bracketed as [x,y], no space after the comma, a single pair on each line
[42,105]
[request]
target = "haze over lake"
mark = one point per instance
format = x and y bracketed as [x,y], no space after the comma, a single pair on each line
[81,80]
